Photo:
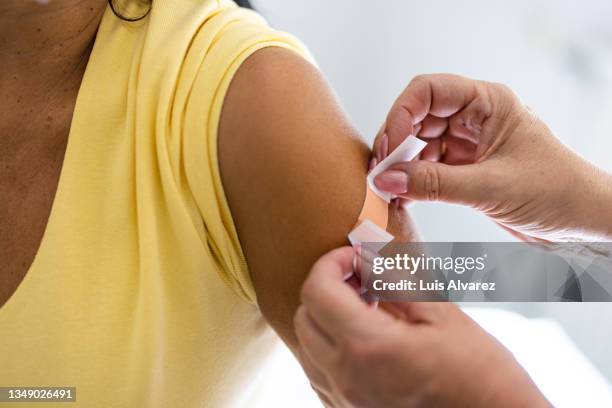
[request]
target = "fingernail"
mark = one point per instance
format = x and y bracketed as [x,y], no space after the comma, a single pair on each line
[392,181]
[373,163]
[384,146]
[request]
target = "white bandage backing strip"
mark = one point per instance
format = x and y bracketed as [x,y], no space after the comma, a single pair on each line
[367,231]
[406,151]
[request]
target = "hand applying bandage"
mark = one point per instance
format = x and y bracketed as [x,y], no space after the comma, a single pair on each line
[485,150]
[488,151]
[420,355]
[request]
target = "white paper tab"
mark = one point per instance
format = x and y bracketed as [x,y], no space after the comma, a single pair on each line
[367,231]
[406,151]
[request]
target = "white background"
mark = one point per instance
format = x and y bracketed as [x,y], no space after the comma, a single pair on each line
[557,55]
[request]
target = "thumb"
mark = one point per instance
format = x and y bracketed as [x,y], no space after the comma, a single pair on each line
[431,181]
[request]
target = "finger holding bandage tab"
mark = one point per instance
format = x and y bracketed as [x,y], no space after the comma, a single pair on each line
[373,219]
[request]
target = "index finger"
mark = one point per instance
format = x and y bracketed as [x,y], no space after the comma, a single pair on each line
[440,95]
[334,306]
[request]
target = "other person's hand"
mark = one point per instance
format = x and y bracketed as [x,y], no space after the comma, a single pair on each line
[419,355]
[489,151]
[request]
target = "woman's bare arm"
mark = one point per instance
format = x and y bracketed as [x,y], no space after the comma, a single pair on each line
[294,170]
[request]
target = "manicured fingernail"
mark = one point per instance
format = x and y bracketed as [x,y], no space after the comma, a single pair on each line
[392,181]
[373,163]
[384,147]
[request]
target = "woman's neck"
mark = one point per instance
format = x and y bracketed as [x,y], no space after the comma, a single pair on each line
[43,43]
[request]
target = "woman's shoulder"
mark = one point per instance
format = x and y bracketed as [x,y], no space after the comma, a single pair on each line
[209,29]
[178,37]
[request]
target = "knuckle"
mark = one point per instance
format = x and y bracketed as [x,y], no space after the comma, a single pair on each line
[421,78]
[505,96]
[420,88]
[430,182]
[502,88]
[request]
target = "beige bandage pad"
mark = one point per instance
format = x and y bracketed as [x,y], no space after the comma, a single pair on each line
[374,209]
[372,222]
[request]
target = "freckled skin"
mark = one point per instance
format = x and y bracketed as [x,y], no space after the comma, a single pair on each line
[35,115]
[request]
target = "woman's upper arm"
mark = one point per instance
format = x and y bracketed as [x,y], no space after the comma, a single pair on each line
[293,170]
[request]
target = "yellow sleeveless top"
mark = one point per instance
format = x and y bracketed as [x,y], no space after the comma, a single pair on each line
[139,295]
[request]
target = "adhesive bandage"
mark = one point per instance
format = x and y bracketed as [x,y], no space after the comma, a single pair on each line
[374,217]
